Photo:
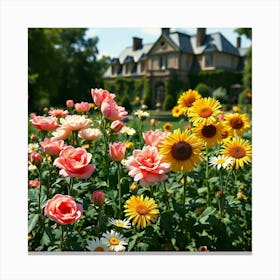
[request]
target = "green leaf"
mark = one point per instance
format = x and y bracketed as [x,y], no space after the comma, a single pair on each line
[208,216]
[201,190]
[32,222]
[45,239]
[178,207]
[166,219]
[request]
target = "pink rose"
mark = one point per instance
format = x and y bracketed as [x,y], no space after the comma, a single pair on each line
[35,158]
[34,183]
[70,103]
[117,151]
[116,125]
[90,134]
[154,137]
[63,209]
[52,147]
[82,107]
[44,123]
[75,122]
[58,113]
[74,162]
[112,111]
[99,95]
[98,197]
[61,134]
[147,166]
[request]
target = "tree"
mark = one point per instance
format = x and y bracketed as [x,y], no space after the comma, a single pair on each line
[247,76]
[62,64]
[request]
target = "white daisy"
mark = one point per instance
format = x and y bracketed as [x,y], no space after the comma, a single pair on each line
[33,147]
[120,223]
[141,114]
[96,245]
[128,130]
[114,241]
[220,161]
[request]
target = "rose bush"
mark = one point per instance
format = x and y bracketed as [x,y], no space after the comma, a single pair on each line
[102,180]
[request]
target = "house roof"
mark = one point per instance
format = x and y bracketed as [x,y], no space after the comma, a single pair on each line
[128,53]
[215,41]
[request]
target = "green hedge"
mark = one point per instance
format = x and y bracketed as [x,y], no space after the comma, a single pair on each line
[216,78]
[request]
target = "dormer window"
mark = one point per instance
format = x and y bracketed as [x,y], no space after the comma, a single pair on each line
[209,60]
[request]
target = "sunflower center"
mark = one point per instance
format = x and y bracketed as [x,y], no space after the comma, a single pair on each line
[142,209]
[181,150]
[114,241]
[209,131]
[99,249]
[205,112]
[237,152]
[189,101]
[236,123]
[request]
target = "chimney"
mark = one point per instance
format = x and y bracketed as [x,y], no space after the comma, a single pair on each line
[200,36]
[165,31]
[238,42]
[137,43]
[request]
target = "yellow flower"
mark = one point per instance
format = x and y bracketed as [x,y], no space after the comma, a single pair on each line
[211,134]
[182,150]
[142,211]
[177,111]
[235,109]
[167,126]
[240,150]
[187,99]
[129,145]
[237,123]
[205,111]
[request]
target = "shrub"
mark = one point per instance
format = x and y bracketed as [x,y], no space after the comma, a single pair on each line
[220,93]
[203,89]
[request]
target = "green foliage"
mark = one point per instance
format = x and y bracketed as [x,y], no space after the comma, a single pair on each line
[147,93]
[203,89]
[169,102]
[216,78]
[220,93]
[247,77]
[62,65]
[125,102]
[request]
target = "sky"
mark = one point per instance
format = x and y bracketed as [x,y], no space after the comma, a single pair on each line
[112,41]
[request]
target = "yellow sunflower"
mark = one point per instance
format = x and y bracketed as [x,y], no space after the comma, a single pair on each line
[141,210]
[211,134]
[240,150]
[167,126]
[182,150]
[177,111]
[205,111]
[237,123]
[187,99]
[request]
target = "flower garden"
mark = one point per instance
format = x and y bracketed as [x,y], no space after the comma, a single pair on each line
[103,180]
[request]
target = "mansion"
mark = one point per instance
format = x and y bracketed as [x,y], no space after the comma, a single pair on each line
[175,53]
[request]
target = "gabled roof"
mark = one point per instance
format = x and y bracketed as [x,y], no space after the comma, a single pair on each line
[129,53]
[182,41]
[215,41]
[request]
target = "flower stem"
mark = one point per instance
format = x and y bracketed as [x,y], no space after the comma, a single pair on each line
[119,188]
[62,237]
[166,195]
[206,178]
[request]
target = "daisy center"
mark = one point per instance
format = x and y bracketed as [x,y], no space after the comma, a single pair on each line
[237,152]
[99,249]
[142,209]
[209,131]
[205,112]
[120,224]
[114,241]
[181,150]
[236,123]
[220,161]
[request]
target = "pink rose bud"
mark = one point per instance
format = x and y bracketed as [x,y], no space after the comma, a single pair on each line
[98,197]
[35,158]
[203,249]
[116,125]
[70,103]
[33,137]
[117,151]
